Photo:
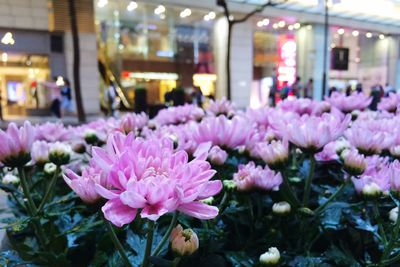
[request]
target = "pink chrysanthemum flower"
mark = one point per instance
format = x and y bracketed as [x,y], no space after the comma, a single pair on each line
[355,101]
[250,177]
[149,178]
[16,144]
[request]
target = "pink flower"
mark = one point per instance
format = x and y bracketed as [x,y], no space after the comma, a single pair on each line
[328,153]
[389,103]
[147,175]
[52,132]
[312,133]
[250,177]
[179,114]
[222,131]
[132,122]
[221,107]
[353,163]
[217,155]
[183,242]
[84,185]
[356,101]
[377,175]
[275,154]
[395,175]
[40,152]
[16,144]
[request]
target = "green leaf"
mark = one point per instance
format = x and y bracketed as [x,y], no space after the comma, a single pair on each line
[301,261]
[238,259]
[341,258]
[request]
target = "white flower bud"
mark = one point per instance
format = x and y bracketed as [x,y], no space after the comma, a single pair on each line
[281,208]
[271,257]
[60,153]
[393,214]
[50,168]
[371,190]
[10,179]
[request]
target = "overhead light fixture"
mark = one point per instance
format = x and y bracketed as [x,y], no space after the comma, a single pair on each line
[368,35]
[102,3]
[162,16]
[297,25]
[4,57]
[355,33]
[275,26]
[132,6]
[8,39]
[290,27]
[340,31]
[309,27]
[60,81]
[185,13]
[264,22]
[281,23]
[160,9]
[381,36]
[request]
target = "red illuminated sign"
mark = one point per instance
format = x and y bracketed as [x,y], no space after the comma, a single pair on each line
[286,71]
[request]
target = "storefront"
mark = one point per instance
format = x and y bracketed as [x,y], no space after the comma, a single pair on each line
[157,47]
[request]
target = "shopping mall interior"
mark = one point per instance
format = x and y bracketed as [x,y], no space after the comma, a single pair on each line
[176,44]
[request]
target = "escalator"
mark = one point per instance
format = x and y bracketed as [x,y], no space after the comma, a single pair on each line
[108,75]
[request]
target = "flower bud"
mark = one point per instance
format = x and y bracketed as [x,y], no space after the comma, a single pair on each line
[60,153]
[91,137]
[395,151]
[342,145]
[229,184]
[271,257]
[393,214]
[50,168]
[217,155]
[371,190]
[281,208]
[79,147]
[40,152]
[183,242]
[10,179]
[353,163]
[275,154]
[208,200]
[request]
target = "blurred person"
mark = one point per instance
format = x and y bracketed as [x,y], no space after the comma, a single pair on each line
[274,88]
[55,96]
[296,87]
[389,89]
[359,88]
[111,99]
[376,92]
[284,93]
[348,90]
[308,89]
[332,90]
[66,98]
[197,96]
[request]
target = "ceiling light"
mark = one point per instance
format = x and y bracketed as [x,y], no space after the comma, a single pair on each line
[259,24]
[281,23]
[309,27]
[132,6]
[8,39]
[355,33]
[211,15]
[160,9]
[340,31]
[297,25]
[162,16]
[290,27]
[185,13]
[102,3]
[275,26]
[381,36]
[4,57]
[368,35]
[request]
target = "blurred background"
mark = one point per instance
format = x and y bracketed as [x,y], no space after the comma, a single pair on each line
[134,54]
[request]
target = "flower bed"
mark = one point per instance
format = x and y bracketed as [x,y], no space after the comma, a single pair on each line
[304,184]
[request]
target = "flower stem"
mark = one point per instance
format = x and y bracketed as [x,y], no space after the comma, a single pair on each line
[31,208]
[380,226]
[307,186]
[149,242]
[49,189]
[116,242]
[321,208]
[292,198]
[166,235]
[392,241]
